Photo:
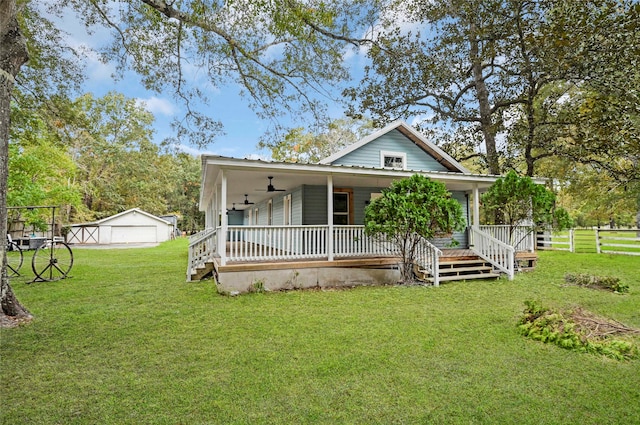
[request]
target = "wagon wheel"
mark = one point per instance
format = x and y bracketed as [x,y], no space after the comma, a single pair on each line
[14,259]
[52,261]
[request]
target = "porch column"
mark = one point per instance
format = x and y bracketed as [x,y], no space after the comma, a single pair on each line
[212,210]
[476,205]
[222,236]
[330,217]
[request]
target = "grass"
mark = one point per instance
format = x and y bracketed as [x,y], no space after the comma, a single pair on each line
[127,341]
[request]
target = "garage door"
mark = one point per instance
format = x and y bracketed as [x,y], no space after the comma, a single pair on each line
[133,234]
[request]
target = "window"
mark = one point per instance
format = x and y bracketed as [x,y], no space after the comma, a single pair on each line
[270,212]
[287,210]
[341,208]
[395,160]
[255,216]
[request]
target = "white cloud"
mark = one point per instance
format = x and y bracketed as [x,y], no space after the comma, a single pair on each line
[157,106]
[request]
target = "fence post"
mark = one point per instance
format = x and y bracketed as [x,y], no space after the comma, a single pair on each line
[598,241]
[571,242]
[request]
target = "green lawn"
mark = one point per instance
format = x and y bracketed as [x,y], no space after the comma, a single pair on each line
[127,341]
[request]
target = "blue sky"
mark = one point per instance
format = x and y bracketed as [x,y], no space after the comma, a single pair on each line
[242,126]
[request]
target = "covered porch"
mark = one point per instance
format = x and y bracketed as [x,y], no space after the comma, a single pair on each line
[298,257]
[266,216]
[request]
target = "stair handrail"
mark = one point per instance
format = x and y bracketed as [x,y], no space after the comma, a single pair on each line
[501,255]
[427,256]
[202,247]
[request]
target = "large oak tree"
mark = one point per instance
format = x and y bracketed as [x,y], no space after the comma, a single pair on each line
[481,66]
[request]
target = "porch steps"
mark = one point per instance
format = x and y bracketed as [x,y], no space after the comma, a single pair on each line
[209,269]
[463,269]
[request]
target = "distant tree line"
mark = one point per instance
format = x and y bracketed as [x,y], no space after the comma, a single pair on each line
[95,157]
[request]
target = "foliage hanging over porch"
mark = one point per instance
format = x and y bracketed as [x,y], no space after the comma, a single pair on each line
[518,201]
[410,211]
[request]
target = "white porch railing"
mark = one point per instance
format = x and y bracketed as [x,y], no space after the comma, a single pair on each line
[202,248]
[352,241]
[428,258]
[498,253]
[251,243]
[264,243]
[523,238]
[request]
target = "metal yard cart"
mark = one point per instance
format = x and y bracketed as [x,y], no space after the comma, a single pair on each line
[52,259]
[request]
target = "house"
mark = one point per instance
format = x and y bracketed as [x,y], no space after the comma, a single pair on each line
[288,225]
[131,226]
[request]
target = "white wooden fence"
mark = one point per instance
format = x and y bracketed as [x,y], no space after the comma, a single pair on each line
[610,242]
[607,241]
[556,241]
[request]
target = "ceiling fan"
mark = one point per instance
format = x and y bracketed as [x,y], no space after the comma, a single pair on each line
[246,200]
[271,188]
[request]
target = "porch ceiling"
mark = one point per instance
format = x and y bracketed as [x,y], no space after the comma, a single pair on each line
[251,177]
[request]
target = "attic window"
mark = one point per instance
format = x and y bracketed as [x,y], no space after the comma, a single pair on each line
[395,160]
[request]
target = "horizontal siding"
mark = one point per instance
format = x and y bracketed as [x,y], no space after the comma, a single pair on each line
[361,198]
[394,141]
[309,207]
[314,210]
[296,206]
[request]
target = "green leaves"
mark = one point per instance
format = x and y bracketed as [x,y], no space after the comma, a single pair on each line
[516,200]
[303,146]
[416,204]
[576,330]
[410,209]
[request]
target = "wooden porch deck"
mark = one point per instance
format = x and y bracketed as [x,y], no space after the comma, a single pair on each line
[448,255]
[252,252]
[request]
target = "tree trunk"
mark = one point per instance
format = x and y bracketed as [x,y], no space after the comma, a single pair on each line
[13,54]
[484,105]
[638,217]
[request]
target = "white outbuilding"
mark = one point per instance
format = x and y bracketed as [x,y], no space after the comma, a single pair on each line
[131,226]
